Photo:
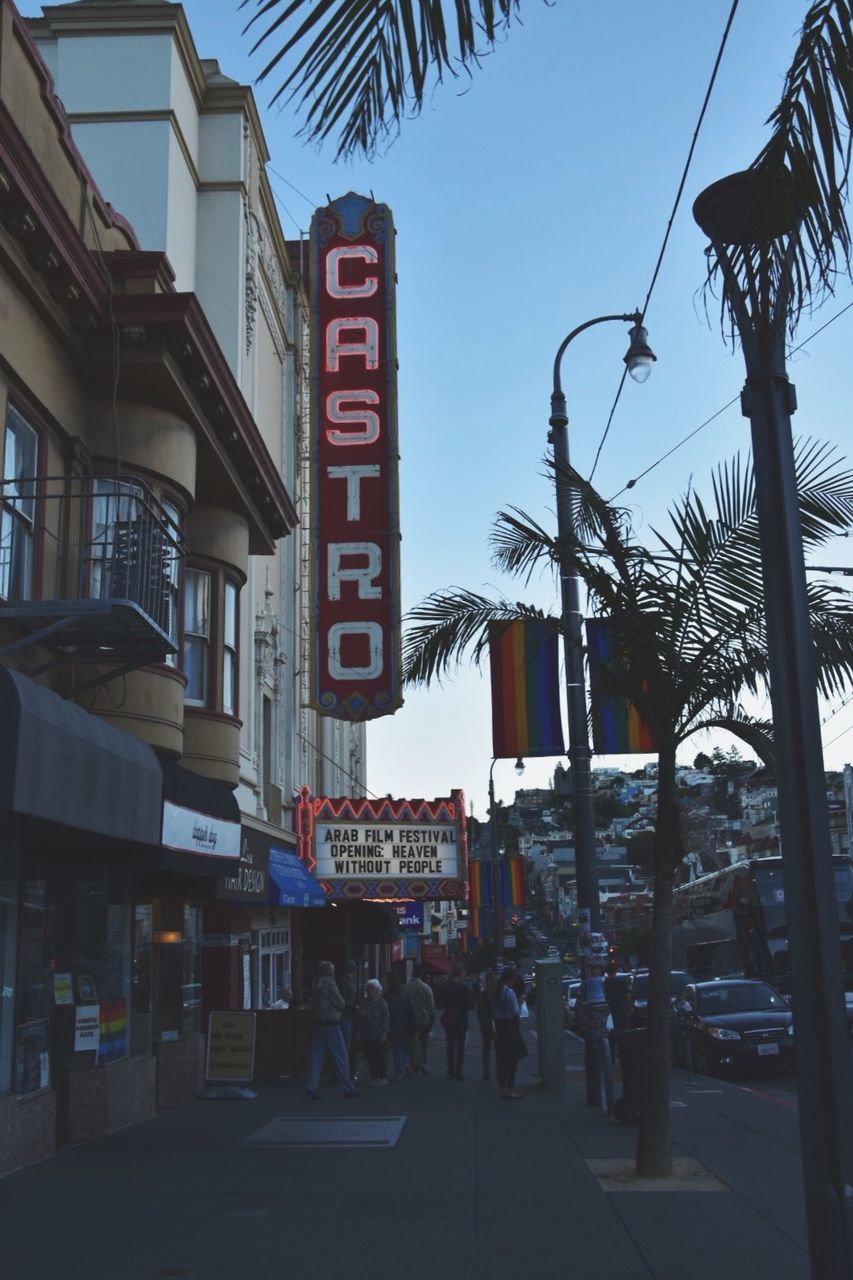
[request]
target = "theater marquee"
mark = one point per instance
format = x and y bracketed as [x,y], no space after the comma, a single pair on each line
[355,527]
[391,849]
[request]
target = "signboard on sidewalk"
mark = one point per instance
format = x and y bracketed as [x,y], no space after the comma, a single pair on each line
[230,1046]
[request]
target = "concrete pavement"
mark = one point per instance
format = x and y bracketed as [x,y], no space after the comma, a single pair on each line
[474,1189]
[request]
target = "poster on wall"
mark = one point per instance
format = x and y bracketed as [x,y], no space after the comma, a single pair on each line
[87,1028]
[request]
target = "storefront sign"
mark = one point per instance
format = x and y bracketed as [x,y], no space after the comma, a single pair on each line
[87,1028]
[248,882]
[230,1046]
[189,832]
[386,849]
[410,916]
[355,643]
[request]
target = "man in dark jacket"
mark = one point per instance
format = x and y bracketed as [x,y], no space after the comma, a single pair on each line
[327,1005]
[458,1000]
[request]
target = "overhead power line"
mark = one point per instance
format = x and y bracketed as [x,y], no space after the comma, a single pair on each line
[669,224]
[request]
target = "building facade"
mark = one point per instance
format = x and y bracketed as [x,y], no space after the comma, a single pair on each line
[150,627]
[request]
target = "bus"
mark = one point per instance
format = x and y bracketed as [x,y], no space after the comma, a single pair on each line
[733,923]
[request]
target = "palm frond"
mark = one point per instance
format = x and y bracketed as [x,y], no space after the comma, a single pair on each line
[756,733]
[359,67]
[799,181]
[447,623]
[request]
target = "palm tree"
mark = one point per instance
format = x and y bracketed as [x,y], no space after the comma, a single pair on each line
[360,68]
[688,613]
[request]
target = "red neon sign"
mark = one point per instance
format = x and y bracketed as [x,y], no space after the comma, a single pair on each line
[355,526]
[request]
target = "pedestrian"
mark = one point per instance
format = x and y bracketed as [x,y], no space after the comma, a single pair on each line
[458,1000]
[485,1018]
[348,987]
[509,1046]
[327,1006]
[423,1004]
[402,1019]
[373,1028]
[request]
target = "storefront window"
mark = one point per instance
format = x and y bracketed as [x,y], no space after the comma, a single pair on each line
[177,969]
[142,944]
[191,987]
[36,965]
[8,942]
[101,960]
[273,951]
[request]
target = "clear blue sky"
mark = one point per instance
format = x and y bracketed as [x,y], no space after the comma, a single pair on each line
[528,200]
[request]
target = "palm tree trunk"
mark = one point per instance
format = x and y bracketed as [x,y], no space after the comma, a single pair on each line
[654,1148]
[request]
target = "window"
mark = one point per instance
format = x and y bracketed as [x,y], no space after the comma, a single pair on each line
[229,651]
[172,581]
[196,663]
[17,513]
[273,966]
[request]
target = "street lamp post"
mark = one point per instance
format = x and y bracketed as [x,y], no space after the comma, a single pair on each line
[639,359]
[726,212]
[497,896]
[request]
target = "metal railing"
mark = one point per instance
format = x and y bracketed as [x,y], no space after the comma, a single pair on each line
[88,539]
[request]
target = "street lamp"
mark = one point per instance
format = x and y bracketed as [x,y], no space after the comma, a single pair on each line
[497,896]
[743,217]
[639,358]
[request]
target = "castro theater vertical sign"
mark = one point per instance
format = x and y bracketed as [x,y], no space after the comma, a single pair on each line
[355,523]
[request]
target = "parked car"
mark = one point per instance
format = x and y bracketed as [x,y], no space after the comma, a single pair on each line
[732,1024]
[638,994]
[571,991]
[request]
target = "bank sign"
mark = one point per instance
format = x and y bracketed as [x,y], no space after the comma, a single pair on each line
[355,526]
[390,849]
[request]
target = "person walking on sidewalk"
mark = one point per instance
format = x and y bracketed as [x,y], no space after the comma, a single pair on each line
[402,1021]
[423,1004]
[373,1028]
[458,1000]
[327,1006]
[485,1018]
[508,1042]
[348,987]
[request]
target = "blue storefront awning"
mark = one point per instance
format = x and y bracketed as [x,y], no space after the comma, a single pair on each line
[291,884]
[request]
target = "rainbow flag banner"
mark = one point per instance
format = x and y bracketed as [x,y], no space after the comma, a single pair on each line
[113,1025]
[524,663]
[617,727]
[512,882]
[479,884]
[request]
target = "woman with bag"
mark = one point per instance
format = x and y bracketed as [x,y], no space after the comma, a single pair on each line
[458,1000]
[509,1045]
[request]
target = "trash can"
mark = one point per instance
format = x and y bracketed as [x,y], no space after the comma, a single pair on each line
[631,1048]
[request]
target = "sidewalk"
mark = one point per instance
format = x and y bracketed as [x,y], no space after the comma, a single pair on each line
[474,1189]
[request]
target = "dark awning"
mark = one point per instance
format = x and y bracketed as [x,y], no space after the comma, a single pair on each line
[371,922]
[61,764]
[201,823]
[291,883]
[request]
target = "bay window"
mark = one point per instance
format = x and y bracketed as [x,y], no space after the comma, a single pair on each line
[17,508]
[229,650]
[197,591]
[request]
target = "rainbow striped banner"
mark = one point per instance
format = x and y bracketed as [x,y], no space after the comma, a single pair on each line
[524,663]
[617,726]
[113,1025]
[479,884]
[513,888]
